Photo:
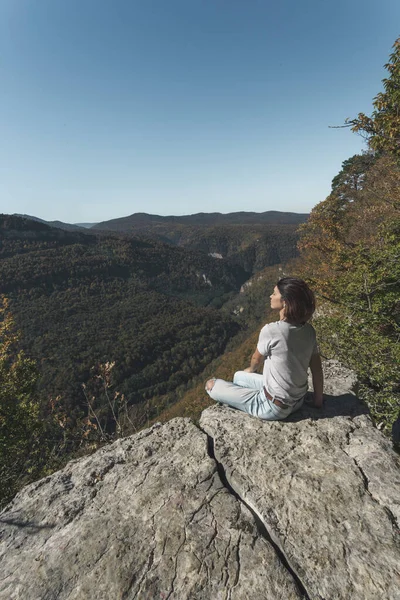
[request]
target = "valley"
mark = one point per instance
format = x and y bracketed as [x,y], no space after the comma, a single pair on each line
[160,313]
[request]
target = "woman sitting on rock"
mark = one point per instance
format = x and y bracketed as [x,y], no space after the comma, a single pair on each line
[287,348]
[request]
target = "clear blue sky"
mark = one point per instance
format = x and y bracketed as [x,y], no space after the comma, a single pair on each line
[181,106]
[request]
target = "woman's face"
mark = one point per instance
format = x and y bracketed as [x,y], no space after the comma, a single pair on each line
[276,299]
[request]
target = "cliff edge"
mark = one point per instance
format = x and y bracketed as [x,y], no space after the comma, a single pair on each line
[236,508]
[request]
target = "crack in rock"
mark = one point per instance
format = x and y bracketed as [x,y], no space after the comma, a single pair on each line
[317,505]
[366,483]
[260,523]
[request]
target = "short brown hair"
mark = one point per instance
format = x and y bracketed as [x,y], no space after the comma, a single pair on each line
[298,298]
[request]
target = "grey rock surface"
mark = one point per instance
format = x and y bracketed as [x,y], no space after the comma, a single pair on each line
[147,517]
[239,509]
[338,380]
[325,483]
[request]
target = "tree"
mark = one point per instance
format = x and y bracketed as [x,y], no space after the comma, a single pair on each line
[20,427]
[351,177]
[351,250]
[382,128]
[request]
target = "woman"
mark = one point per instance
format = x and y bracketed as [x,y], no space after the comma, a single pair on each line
[287,348]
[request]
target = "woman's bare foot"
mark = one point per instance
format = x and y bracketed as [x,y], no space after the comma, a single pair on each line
[210,384]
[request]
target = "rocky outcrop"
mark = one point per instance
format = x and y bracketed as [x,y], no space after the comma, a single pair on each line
[329,510]
[147,517]
[236,509]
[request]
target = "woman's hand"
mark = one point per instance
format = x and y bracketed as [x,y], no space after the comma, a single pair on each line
[313,399]
[318,401]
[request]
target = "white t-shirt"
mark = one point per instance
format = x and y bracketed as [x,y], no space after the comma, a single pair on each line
[287,350]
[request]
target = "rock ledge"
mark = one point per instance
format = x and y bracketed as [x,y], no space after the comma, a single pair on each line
[238,508]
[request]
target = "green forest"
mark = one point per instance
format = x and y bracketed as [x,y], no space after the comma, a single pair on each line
[251,247]
[100,332]
[79,300]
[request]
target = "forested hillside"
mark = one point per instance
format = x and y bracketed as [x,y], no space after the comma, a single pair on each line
[79,300]
[36,255]
[250,246]
[350,250]
[251,240]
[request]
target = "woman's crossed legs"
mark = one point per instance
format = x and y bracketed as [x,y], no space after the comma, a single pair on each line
[246,394]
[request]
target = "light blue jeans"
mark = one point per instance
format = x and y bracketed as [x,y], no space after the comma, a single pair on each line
[246,393]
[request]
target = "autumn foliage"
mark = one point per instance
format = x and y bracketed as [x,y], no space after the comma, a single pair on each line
[20,427]
[351,250]
[382,128]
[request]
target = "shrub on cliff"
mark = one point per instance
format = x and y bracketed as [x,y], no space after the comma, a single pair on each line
[19,410]
[29,443]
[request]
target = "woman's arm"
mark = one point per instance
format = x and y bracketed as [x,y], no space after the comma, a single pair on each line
[318,379]
[256,361]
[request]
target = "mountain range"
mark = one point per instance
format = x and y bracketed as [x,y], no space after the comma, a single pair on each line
[251,240]
[138,220]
